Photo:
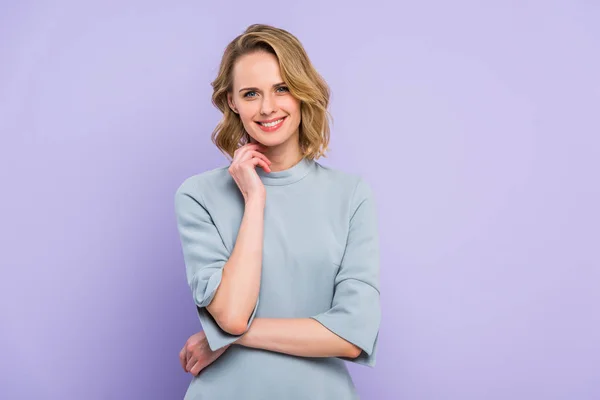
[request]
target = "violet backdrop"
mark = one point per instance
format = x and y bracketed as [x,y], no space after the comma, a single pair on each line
[475,122]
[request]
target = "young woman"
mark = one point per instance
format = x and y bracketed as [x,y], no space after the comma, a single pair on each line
[281,253]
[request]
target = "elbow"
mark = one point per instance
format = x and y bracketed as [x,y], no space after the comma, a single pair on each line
[228,321]
[352,351]
[232,325]
[235,328]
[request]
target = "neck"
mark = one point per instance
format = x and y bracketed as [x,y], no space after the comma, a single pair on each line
[285,155]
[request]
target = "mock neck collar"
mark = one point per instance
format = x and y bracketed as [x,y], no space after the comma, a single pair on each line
[286,176]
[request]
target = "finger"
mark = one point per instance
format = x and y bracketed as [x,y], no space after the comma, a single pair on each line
[195,370]
[254,143]
[260,162]
[249,154]
[263,156]
[191,362]
[182,359]
[261,147]
[242,150]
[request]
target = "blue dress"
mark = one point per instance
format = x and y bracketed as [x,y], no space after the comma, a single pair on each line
[320,261]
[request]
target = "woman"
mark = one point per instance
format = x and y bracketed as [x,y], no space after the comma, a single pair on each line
[281,253]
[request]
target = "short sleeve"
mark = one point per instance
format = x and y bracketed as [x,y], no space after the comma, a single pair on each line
[205,256]
[355,313]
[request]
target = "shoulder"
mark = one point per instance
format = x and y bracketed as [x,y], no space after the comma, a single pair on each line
[354,186]
[198,185]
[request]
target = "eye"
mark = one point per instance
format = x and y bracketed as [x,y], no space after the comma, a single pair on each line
[285,88]
[248,93]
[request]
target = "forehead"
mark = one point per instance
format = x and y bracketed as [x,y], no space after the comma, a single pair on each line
[258,69]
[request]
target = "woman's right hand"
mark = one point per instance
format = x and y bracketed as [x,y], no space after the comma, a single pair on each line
[197,355]
[242,169]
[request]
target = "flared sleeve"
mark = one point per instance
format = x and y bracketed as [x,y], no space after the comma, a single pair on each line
[205,255]
[355,313]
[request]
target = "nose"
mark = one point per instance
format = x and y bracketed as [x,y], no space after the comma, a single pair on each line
[268,105]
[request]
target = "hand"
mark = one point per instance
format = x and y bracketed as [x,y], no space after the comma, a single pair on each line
[196,355]
[242,169]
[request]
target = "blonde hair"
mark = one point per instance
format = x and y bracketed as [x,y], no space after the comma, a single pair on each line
[302,79]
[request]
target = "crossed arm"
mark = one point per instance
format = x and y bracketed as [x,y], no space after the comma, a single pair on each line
[226,287]
[237,294]
[302,337]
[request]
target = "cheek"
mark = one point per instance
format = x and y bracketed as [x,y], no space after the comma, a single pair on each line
[246,114]
[291,106]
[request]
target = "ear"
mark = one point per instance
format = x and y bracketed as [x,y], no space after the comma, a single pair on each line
[230,102]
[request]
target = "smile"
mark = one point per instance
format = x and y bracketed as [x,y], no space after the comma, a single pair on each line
[272,125]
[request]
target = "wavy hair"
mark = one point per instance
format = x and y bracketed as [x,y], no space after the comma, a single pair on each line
[297,71]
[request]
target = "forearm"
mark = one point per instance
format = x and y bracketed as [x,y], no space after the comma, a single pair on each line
[237,294]
[304,337]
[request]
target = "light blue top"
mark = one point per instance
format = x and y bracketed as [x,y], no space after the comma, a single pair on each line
[320,260]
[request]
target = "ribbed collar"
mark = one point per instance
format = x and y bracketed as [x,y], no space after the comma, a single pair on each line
[287,176]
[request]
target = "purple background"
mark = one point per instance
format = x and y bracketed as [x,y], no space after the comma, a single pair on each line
[477,123]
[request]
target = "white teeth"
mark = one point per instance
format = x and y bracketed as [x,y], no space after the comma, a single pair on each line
[269,124]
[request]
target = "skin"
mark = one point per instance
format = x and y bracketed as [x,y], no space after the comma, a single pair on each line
[260,70]
[259,94]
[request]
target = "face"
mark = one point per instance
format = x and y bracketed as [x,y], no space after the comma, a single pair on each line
[270,114]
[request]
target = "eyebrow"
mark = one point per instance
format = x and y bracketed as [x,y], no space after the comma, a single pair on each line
[258,90]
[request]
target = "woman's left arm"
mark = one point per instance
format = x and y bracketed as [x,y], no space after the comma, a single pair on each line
[350,327]
[303,337]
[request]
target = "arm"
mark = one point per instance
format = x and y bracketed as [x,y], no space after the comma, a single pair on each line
[236,296]
[303,337]
[350,328]
[355,312]
[225,291]
[205,256]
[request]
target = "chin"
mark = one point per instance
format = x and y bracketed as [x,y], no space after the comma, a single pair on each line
[272,139]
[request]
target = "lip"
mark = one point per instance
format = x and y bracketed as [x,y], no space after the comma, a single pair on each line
[271,120]
[271,128]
